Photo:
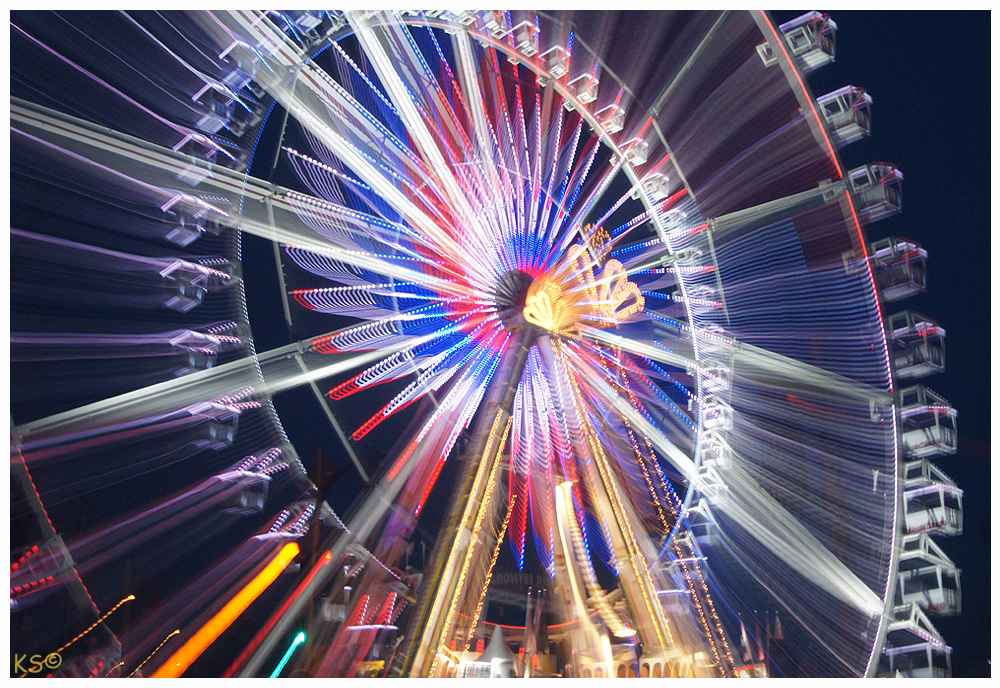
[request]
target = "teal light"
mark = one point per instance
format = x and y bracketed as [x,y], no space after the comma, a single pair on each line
[299,639]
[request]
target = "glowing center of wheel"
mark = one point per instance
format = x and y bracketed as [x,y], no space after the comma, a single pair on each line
[574,293]
[509,297]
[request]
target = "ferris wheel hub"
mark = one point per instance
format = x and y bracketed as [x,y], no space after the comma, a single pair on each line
[510,296]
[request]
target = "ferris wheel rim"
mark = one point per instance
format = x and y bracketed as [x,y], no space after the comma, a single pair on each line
[802,94]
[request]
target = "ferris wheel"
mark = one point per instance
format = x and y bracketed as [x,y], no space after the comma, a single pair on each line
[609,315]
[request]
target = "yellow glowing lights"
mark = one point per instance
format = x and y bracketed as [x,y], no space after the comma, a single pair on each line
[484,508]
[571,293]
[162,643]
[489,570]
[489,464]
[96,623]
[206,635]
[88,630]
[544,307]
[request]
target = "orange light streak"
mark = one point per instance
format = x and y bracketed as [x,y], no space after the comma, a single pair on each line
[207,634]
[259,638]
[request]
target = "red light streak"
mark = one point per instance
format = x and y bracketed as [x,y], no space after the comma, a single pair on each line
[378,418]
[430,484]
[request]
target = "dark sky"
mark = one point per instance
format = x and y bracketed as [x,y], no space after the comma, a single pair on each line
[929,76]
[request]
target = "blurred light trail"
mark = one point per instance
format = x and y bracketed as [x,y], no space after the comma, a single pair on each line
[299,639]
[206,635]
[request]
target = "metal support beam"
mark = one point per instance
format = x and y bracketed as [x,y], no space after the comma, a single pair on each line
[427,624]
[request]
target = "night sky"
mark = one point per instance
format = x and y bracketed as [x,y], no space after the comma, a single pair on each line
[929,76]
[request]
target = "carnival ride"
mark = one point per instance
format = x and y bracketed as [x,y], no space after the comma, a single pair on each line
[611,315]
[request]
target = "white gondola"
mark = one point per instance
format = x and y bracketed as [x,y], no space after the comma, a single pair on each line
[876,189]
[525,37]
[217,111]
[496,23]
[612,118]
[928,578]
[847,114]
[249,500]
[917,345]
[185,228]
[900,267]
[555,60]
[932,501]
[929,423]
[656,186]
[583,88]
[636,151]
[242,65]
[914,647]
[810,39]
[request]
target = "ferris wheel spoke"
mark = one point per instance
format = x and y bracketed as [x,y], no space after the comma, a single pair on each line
[305,98]
[647,349]
[282,369]
[268,211]
[734,492]
[391,70]
[664,446]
